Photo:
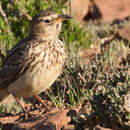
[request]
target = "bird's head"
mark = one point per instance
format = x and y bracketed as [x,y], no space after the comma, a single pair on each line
[47,24]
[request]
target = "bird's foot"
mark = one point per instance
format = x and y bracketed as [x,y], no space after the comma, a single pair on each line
[25,115]
[43,104]
[28,116]
[46,109]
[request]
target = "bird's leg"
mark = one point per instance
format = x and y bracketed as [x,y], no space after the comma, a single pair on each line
[26,113]
[40,100]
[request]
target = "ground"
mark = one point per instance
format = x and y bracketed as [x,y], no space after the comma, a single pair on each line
[86,115]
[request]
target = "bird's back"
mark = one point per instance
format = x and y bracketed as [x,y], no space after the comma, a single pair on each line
[32,67]
[35,62]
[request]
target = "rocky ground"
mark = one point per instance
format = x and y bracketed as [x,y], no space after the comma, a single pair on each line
[115,13]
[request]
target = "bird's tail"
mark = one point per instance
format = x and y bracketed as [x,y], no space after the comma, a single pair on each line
[3,94]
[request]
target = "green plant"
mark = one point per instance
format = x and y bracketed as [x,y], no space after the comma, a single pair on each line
[98,86]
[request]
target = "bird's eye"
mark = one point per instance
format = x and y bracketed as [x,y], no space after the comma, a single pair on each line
[46,21]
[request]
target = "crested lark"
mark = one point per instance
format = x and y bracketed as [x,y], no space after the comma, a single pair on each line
[34,63]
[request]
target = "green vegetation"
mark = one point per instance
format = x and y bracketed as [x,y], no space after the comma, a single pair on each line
[96,88]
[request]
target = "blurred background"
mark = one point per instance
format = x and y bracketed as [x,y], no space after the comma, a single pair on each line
[107,11]
[95,83]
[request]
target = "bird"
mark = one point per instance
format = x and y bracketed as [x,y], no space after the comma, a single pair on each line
[36,61]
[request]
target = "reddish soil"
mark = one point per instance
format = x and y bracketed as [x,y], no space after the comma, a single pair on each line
[113,9]
[106,10]
[56,119]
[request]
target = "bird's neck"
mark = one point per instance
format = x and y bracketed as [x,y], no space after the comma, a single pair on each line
[50,42]
[42,37]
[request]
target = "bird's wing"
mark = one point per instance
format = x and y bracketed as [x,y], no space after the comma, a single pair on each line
[13,65]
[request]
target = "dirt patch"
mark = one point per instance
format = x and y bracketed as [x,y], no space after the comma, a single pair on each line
[84,10]
[113,9]
[79,9]
[56,119]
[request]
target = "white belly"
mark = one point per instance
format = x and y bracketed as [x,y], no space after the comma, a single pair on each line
[34,82]
[42,75]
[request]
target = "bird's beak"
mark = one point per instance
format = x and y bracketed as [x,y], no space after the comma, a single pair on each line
[62,18]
